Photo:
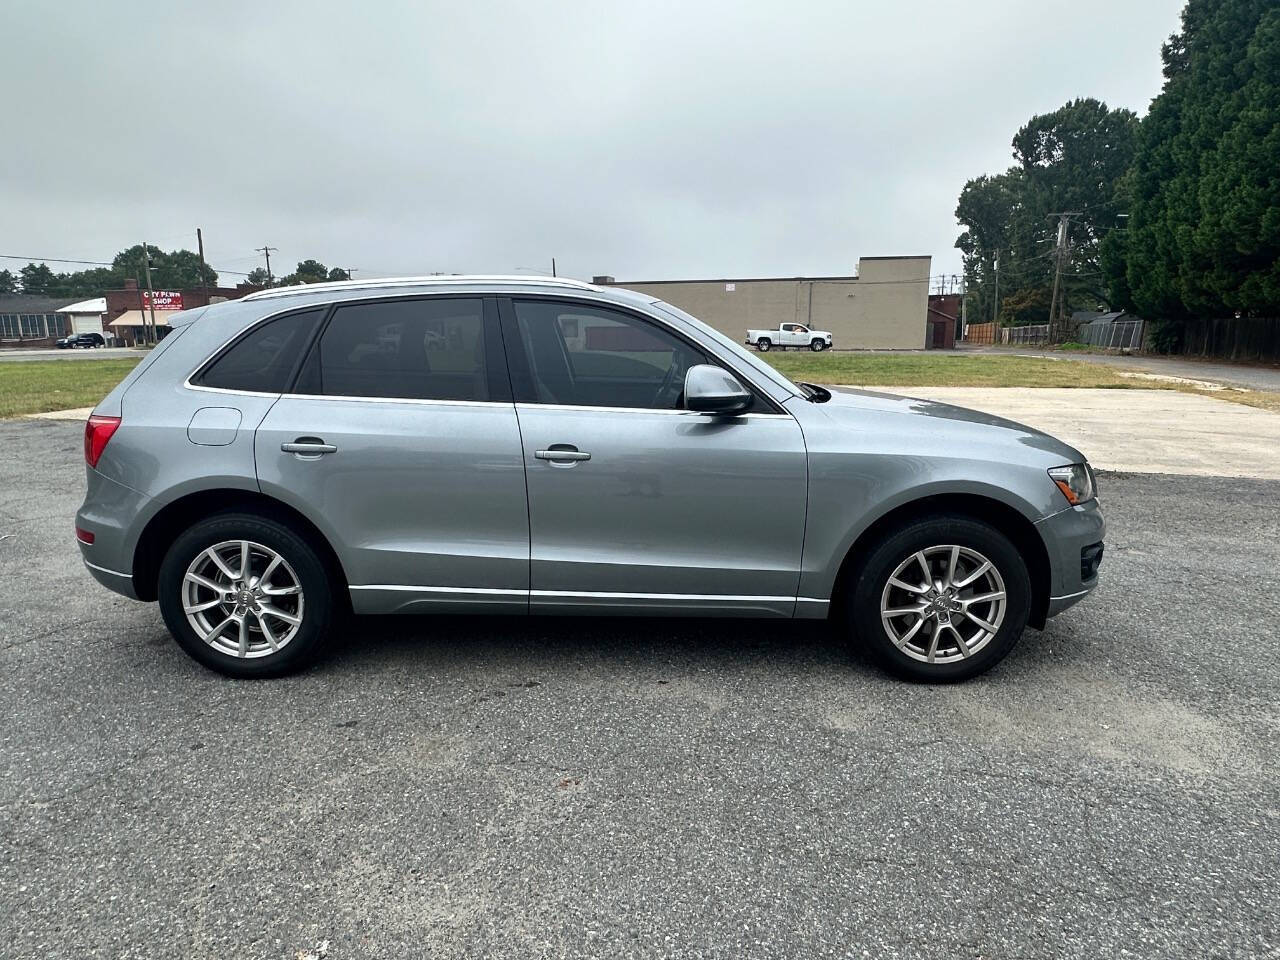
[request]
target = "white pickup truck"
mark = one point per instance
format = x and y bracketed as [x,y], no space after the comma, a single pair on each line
[789,335]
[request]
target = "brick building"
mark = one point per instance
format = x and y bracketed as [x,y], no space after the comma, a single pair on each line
[31,320]
[944,320]
[129,311]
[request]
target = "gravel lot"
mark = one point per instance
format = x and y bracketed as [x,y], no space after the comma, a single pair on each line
[643,788]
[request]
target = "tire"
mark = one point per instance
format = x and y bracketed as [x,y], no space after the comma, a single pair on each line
[935,538]
[763,345]
[247,653]
[817,346]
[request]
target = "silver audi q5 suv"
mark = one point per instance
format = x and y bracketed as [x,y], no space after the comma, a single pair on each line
[543,446]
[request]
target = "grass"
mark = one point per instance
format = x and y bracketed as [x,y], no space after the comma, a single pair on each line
[943,370]
[983,370]
[38,386]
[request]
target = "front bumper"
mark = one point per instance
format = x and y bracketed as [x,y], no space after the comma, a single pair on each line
[1073,538]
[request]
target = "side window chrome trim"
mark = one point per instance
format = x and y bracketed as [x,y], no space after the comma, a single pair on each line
[341,398]
[578,408]
[239,393]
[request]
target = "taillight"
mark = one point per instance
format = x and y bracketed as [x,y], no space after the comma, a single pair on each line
[97,431]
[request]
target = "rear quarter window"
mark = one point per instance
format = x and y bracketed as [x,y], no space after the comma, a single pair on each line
[263,360]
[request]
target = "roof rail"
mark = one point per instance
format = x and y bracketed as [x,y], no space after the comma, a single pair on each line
[431,281]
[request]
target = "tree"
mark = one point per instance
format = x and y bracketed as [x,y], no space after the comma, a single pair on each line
[8,282]
[1025,306]
[1071,159]
[37,278]
[176,270]
[308,271]
[337,273]
[987,208]
[258,277]
[1203,236]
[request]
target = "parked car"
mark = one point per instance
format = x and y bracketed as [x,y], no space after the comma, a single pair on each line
[81,340]
[789,335]
[302,453]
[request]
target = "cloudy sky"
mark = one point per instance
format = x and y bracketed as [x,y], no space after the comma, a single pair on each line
[640,139]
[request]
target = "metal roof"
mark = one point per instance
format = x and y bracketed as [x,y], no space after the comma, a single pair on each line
[96,305]
[431,281]
[32,303]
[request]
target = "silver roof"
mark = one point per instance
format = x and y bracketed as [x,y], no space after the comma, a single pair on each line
[342,286]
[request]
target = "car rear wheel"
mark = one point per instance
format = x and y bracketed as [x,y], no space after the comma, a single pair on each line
[941,599]
[763,344]
[246,596]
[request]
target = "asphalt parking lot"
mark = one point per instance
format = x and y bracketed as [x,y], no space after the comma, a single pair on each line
[647,787]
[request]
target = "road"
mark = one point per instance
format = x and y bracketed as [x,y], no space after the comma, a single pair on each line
[100,353]
[612,788]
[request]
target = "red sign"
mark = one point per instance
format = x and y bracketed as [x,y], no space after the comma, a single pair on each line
[162,300]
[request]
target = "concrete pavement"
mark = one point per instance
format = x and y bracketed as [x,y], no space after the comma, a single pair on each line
[1135,431]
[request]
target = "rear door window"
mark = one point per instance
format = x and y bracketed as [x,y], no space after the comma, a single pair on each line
[427,349]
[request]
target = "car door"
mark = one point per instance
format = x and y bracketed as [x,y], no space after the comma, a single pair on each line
[634,502]
[400,442]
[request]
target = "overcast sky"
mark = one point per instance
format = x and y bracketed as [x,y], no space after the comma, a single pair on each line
[646,140]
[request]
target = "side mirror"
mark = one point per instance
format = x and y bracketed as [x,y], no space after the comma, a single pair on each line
[709,389]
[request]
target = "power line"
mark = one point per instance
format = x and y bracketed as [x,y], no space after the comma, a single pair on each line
[89,263]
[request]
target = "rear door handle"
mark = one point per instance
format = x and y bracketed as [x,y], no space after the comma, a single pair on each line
[562,453]
[306,446]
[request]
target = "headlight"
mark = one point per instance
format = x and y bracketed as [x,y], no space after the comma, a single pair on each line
[1075,482]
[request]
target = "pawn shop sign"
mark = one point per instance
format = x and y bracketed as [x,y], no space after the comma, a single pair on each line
[162,299]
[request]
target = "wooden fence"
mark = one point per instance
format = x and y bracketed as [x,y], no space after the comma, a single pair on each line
[980,333]
[1233,338]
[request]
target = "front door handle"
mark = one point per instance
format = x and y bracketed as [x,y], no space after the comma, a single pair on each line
[308,447]
[562,453]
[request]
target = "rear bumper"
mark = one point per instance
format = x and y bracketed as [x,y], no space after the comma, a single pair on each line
[110,512]
[1073,538]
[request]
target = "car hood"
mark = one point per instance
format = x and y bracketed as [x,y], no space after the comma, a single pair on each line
[946,421]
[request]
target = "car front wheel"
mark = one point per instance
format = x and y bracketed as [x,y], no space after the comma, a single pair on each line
[941,599]
[818,346]
[246,596]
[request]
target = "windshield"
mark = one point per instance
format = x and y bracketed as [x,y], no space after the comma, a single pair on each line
[732,346]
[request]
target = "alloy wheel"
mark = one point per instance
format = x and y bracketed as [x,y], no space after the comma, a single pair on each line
[943,603]
[243,599]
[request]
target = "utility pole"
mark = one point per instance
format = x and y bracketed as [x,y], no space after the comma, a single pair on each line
[995,304]
[553,266]
[1061,246]
[266,252]
[204,284]
[151,296]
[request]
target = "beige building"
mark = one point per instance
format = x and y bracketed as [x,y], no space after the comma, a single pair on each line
[885,307]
